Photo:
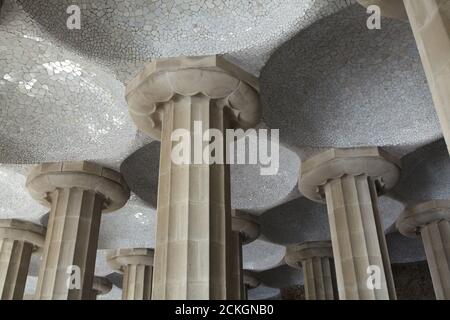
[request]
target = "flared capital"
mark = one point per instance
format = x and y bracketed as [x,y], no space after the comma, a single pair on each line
[20,230]
[414,218]
[297,253]
[244,224]
[336,163]
[164,79]
[120,258]
[47,177]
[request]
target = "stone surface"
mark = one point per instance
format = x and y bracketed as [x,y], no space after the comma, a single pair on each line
[245,230]
[194,209]
[250,190]
[51,74]
[404,250]
[321,86]
[335,163]
[18,240]
[262,255]
[246,225]
[114,294]
[132,226]
[425,175]
[249,32]
[302,220]
[316,261]
[264,293]
[100,286]
[293,293]
[430,22]
[213,77]
[256,193]
[137,268]
[77,193]
[15,200]
[350,181]
[281,276]
[432,221]
[52,91]
[412,282]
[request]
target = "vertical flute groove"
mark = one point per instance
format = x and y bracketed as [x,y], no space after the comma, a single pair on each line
[357,241]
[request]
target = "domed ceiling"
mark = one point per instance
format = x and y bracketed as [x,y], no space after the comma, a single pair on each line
[118,31]
[329,83]
[338,84]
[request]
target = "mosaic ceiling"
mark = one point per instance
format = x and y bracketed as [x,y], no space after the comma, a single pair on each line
[62,98]
[338,84]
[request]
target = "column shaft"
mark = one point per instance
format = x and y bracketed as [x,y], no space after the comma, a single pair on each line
[71,242]
[318,278]
[357,238]
[237,290]
[430,22]
[194,219]
[137,282]
[15,258]
[436,241]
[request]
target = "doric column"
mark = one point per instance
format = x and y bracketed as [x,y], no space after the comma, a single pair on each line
[432,221]
[18,240]
[100,287]
[251,281]
[137,268]
[77,193]
[194,220]
[245,230]
[316,261]
[430,22]
[349,180]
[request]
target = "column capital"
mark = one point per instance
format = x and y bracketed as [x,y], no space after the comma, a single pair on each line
[297,253]
[47,177]
[212,76]
[413,219]
[389,8]
[20,230]
[251,280]
[336,163]
[246,225]
[120,258]
[101,285]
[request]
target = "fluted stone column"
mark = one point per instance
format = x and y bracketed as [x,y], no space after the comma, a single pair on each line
[137,268]
[194,212]
[77,193]
[251,281]
[430,22]
[245,230]
[100,287]
[18,240]
[431,220]
[349,180]
[316,261]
